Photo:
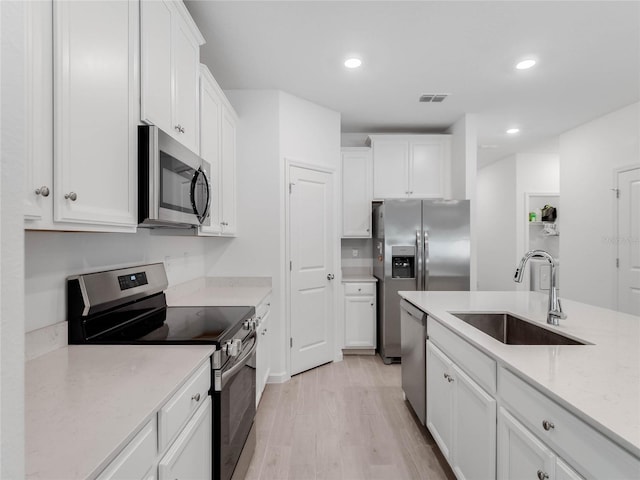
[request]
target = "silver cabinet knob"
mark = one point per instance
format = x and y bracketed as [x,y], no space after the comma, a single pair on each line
[372,304]
[547,425]
[542,475]
[44,191]
[368,230]
[196,397]
[179,128]
[73,196]
[448,377]
[331,276]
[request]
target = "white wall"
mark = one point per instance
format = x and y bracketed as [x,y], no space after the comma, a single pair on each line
[496,221]
[52,256]
[12,151]
[589,155]
[464,170]
[273,126]
[502,216]
[259,177]
[536,173]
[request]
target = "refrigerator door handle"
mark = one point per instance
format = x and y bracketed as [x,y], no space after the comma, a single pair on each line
[419,273]
[425,281]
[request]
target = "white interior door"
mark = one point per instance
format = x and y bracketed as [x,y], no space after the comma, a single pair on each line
[311,255]
[629,241]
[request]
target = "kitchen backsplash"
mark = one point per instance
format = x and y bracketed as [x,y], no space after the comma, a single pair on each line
[357,253]
[52,256]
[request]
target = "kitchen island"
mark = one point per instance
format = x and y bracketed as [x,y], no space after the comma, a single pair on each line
[598,383]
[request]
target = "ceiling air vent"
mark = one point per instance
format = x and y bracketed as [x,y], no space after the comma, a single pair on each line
[433,97]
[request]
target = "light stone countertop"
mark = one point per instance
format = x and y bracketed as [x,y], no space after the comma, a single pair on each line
[219,291]
[599,383]
[84,403]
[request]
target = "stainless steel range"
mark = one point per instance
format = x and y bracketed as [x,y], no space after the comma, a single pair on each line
[128,306]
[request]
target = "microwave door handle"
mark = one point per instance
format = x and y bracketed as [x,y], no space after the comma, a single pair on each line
[207,204]
[194,203]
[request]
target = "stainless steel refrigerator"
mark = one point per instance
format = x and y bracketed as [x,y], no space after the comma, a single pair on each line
[417,245]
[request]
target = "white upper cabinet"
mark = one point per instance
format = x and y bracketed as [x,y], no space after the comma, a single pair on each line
[95,100]
[356,192]
[218,147]
[210,142]
[170,63]
[411,166]
[228,186]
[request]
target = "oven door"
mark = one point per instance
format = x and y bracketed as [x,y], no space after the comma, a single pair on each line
[176,189]
[235,409]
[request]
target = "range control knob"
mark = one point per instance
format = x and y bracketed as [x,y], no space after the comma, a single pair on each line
[246,325]
[236,346]
[226,348]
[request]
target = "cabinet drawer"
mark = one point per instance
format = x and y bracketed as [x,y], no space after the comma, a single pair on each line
[137,457]
[590,452]
[359,289]
[177,411]
[476,364]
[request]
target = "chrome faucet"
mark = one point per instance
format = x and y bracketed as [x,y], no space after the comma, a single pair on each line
[555,312]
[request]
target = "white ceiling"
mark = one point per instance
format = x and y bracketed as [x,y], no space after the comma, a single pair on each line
[588,61]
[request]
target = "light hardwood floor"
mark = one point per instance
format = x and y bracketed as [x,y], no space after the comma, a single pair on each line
[344,420]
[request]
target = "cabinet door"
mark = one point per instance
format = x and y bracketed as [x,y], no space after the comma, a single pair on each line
[262,357]
[474,435]
[565,472]
[137,458]
[428,167]
[520,454]
[228,187]
[95,112]
[356,194]
[210,144]
[39,112]
[155,53]
[360,321]
[186,66]
[190,455]
[439,399]
[390,169]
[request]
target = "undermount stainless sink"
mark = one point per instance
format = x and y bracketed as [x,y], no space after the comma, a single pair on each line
[511,330]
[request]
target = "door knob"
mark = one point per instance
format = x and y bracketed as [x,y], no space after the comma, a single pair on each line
[331,276]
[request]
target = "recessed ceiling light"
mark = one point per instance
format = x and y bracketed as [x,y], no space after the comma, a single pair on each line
[523,65]
[513,131]
[352,62]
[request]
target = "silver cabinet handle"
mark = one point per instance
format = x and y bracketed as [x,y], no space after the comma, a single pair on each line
[73,196]
[331,276]
[542,475]
[196,397]
[44,191]
[547,425]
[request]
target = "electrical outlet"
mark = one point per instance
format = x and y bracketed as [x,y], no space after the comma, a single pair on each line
[355,252]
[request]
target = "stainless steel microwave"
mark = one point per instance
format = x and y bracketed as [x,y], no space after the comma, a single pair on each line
[173,183]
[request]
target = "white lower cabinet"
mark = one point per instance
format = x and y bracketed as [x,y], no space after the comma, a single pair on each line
[360,316]
[520,454]
[263,351]
[176,443]
[190,455]
[461,417]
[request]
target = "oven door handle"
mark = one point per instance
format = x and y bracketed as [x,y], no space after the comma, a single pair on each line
[239,364]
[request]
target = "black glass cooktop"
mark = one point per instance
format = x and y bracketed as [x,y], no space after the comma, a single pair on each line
[199,324]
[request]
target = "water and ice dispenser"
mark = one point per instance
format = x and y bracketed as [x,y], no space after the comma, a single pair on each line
[403,262]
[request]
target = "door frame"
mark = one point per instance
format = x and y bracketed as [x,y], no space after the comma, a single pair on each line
[615,252]
[290,162]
